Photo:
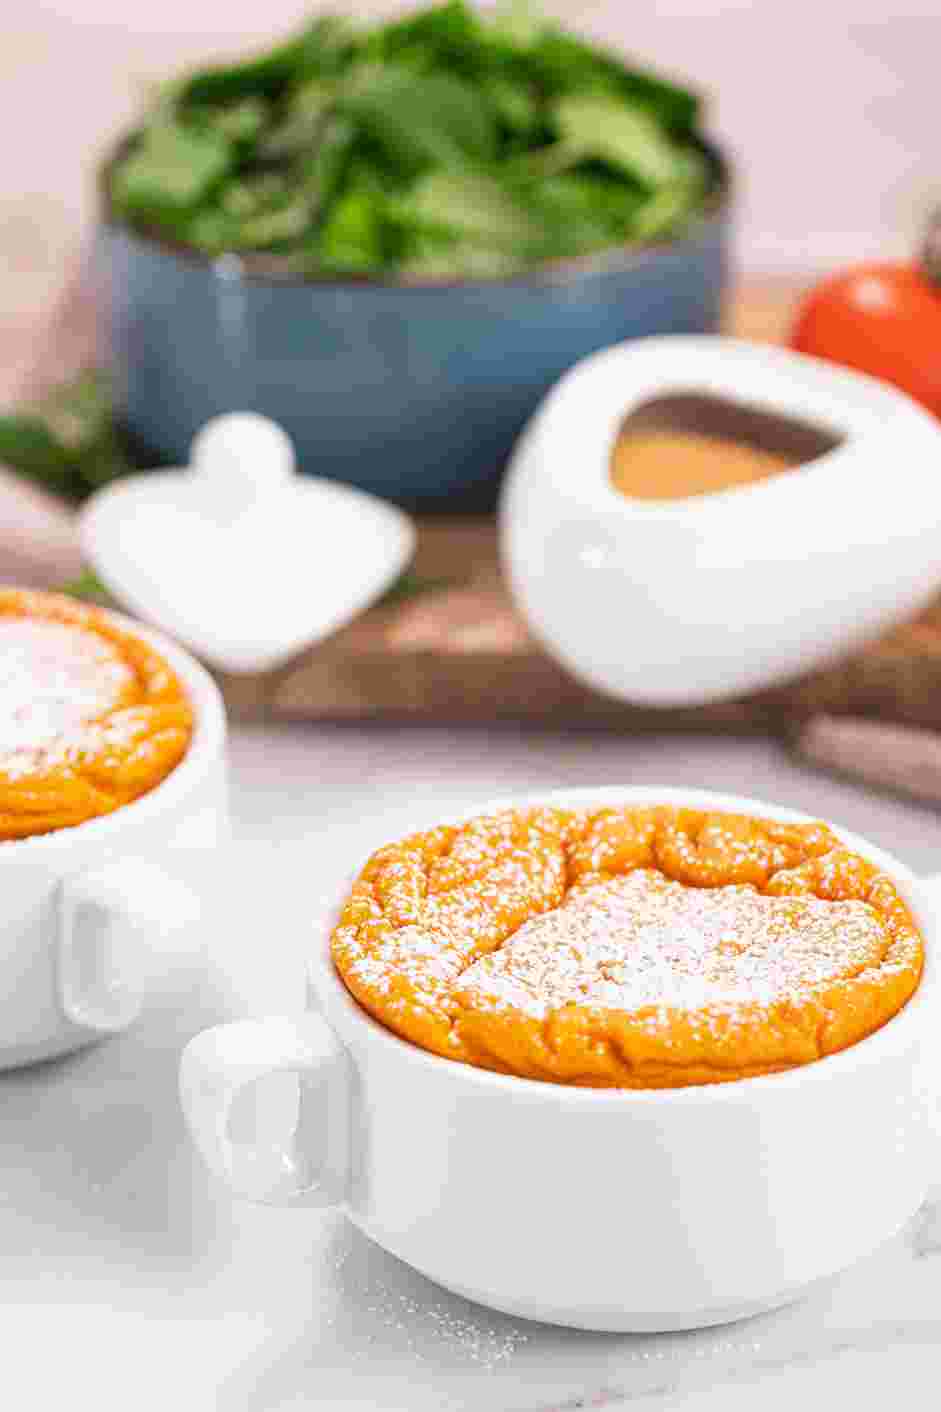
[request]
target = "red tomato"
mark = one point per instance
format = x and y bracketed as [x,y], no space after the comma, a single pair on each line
[882,319]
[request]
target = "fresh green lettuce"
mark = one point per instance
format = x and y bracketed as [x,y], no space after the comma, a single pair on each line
[445,143]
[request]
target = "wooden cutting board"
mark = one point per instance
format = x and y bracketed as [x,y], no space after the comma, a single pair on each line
[458,652]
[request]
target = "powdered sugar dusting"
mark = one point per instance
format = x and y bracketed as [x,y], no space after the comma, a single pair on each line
[645,941]
[55,679]
[636,948]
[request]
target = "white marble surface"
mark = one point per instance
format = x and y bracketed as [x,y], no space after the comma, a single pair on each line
[128,1279]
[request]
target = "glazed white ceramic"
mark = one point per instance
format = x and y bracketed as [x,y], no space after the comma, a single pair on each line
[686,601]
[83,910]
[293,558]
[598,1209]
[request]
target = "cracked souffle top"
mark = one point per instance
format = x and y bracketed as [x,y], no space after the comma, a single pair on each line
[90,716]
[628,947]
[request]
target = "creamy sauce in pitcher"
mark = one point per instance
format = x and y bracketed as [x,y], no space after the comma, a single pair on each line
[673,465]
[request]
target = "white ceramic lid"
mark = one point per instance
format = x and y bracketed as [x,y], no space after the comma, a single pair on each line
[237,555]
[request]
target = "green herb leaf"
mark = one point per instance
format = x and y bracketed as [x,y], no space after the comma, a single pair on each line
[324,49]
[431,257]
[588,212]
[171,167]
[321,174]
[566,64]
[662,213]
[276,226]
[414,585]
[68,442]
[89,588]
[444,33]
[518,23]
[515,104]
[352,238]
[301,124]
[627,138]
[472,205]
[78,412]
[240,122]
[544,162]
[28,445]
[436,119]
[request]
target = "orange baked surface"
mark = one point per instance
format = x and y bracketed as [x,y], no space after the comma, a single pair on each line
[90,716]
[634,947]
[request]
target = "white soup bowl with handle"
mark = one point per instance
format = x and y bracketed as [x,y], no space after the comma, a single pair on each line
[596,1208]
[83,910]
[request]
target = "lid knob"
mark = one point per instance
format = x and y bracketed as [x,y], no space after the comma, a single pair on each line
[241,458]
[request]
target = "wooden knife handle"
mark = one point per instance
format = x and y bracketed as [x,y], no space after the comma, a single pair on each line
[905,759]
[38,542]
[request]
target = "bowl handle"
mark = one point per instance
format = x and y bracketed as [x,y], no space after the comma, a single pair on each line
[107,921]
[312,1168]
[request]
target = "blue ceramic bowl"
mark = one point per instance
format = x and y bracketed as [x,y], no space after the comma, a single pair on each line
[414,391]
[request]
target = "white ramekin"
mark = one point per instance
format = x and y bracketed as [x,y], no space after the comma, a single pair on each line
[600,1209]
[82,910]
